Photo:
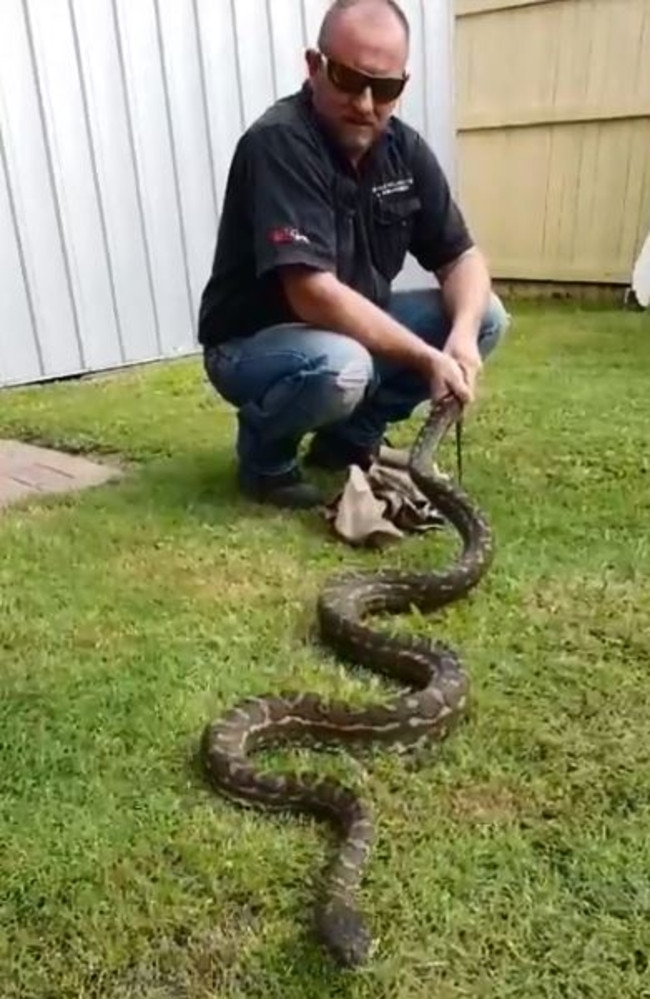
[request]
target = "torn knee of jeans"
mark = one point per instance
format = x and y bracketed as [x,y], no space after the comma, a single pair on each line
[495,324]
[352,381]
[498,319]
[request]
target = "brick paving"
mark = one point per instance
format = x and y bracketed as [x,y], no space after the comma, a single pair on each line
[27,471]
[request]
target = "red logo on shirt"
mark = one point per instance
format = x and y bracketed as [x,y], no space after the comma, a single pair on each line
[287,234]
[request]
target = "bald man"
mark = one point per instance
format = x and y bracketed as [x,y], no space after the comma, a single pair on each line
[328,191]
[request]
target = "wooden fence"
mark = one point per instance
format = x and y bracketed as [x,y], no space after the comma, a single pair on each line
[553,117]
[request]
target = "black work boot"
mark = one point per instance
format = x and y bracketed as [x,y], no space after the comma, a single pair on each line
[288,489]
[333,454]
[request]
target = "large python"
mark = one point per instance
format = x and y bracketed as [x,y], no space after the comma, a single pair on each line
[435,697]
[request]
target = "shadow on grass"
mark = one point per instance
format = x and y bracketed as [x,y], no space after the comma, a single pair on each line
[203,484]
[297,967]
[191,963]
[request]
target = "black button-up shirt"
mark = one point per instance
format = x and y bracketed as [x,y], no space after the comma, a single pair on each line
[293,198]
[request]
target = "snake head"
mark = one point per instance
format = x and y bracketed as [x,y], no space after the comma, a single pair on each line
[343,931]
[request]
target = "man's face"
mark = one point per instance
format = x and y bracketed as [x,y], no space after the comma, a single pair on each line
[363,40]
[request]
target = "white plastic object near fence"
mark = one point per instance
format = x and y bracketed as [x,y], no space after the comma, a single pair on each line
[641,275]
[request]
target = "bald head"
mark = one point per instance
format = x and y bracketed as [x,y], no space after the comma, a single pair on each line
[350,15]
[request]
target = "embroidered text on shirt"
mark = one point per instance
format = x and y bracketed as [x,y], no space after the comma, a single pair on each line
[393,187]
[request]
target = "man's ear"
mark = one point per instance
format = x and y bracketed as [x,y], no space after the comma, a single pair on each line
[313,60]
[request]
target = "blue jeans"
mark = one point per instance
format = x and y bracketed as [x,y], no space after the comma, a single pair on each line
[288,380]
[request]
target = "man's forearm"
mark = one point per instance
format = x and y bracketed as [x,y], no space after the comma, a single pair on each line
[323,301]
[465,286]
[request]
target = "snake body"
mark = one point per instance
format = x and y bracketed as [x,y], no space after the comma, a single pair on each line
[434,699]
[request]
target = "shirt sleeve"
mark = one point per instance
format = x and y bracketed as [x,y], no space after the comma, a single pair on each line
[292,207]
[440,233]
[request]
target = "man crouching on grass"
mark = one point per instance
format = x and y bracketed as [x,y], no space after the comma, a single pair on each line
[327,193]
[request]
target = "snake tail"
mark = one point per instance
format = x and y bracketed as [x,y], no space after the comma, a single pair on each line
[271,720]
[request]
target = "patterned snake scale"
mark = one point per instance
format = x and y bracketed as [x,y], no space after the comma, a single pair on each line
[433,698]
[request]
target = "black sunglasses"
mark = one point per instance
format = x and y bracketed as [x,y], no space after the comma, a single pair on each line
[384,89]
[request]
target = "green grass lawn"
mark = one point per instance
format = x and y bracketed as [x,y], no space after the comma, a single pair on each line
[513,863]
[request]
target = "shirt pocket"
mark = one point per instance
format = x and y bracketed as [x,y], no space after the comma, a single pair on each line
[393,223]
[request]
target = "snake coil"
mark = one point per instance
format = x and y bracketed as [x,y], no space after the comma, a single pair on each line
[434,698]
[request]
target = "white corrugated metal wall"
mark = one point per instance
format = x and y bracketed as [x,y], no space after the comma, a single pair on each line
[117,122]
